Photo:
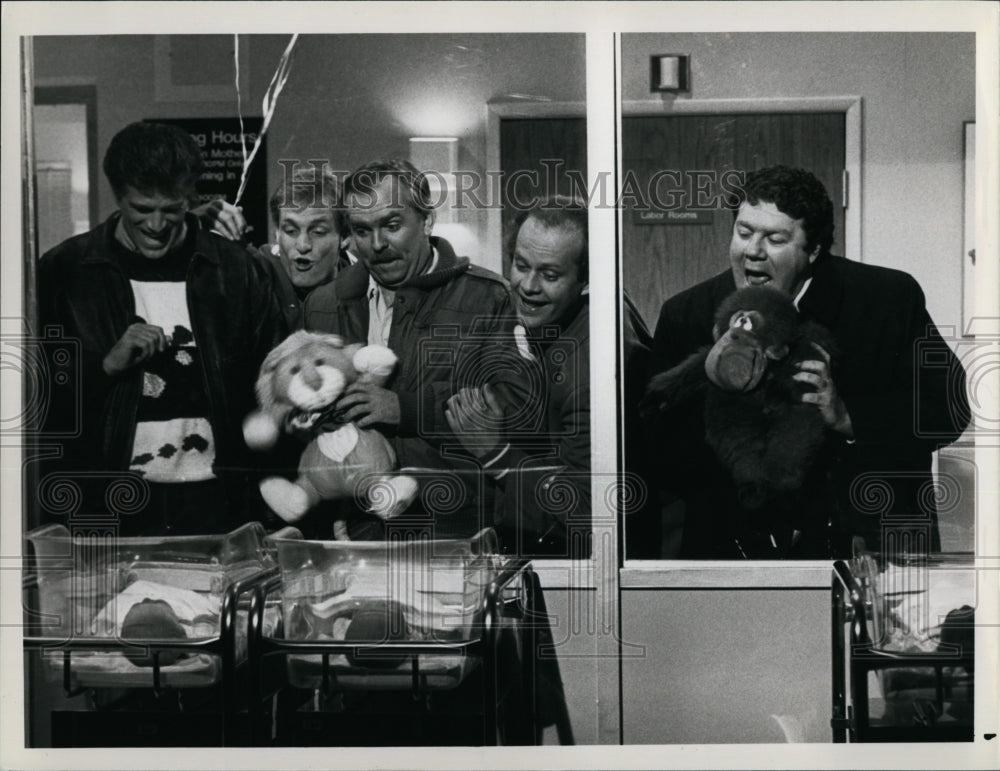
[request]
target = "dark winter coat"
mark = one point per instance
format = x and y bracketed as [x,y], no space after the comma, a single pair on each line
[902,385]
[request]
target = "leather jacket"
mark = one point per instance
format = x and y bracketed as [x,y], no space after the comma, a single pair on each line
[440,320]
[443,328]
[235,320]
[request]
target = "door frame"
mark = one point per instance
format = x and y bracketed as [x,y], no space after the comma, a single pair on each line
[716,574]
[87,96]
[495,113]
[587,589]
[851,106]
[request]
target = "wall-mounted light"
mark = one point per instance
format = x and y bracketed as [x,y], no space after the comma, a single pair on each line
[670,73]
[438,158]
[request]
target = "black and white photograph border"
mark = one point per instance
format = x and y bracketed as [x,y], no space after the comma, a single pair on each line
[603,24]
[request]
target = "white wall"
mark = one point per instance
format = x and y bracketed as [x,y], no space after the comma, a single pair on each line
[917,89]
[726,665]
[61,136]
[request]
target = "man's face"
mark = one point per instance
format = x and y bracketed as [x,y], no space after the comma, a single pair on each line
[153,222]
[769,249]
[390,236]
[544,276]
[309,245]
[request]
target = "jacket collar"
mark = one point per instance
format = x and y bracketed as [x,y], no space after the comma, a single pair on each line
[822,301]
[99,249]
[352,282]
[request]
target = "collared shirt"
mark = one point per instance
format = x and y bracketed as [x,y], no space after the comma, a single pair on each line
[802,292]
[380,300]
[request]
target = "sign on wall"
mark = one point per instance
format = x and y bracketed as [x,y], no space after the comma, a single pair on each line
[219,140]
[659,216]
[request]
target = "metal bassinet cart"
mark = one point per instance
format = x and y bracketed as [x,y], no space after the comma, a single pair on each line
[128,620]
[410,641]
[904,672]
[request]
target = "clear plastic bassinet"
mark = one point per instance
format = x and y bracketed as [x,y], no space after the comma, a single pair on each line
[141,612]
[386,615]
[912,655]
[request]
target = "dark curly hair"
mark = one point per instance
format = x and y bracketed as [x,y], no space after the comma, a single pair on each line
[797,193]
[153,158]
[363,181]
[556,211]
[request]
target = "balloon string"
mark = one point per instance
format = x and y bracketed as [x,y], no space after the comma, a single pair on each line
[270,100]
[239,99]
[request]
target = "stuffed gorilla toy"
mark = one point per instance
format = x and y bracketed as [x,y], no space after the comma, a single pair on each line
[755,421]
[297,389]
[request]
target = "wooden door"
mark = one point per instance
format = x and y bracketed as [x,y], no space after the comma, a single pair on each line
[691,155]
[539,157]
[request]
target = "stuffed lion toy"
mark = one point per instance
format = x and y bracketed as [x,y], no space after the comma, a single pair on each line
[297,389]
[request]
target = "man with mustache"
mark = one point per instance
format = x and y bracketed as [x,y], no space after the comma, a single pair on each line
[435,310]
[886,409]
[172,323]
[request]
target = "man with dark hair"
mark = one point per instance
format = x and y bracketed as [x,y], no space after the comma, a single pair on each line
[410,291]
[172,323]
[872,396]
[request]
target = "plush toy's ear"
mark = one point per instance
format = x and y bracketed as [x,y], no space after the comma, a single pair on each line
[329,338]
[374,363]
[264,387]
[267,399]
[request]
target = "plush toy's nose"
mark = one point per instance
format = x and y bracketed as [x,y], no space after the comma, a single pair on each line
[311,376]
[734,367]
[736,372]
[314,387]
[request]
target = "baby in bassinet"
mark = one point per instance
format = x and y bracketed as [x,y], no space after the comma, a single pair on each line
[353,606]
[147,610]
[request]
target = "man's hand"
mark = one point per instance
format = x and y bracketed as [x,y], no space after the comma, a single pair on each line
[831,406]
[367,404]
[139,342]
[223,218]
[475,418]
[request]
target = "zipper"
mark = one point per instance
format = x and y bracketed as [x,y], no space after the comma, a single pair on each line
[196,322]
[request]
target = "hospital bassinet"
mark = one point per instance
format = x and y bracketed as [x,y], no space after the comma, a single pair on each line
[142,613]
[905,670]
[413,616]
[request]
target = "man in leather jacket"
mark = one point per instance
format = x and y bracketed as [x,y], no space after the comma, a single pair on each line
[169,324]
